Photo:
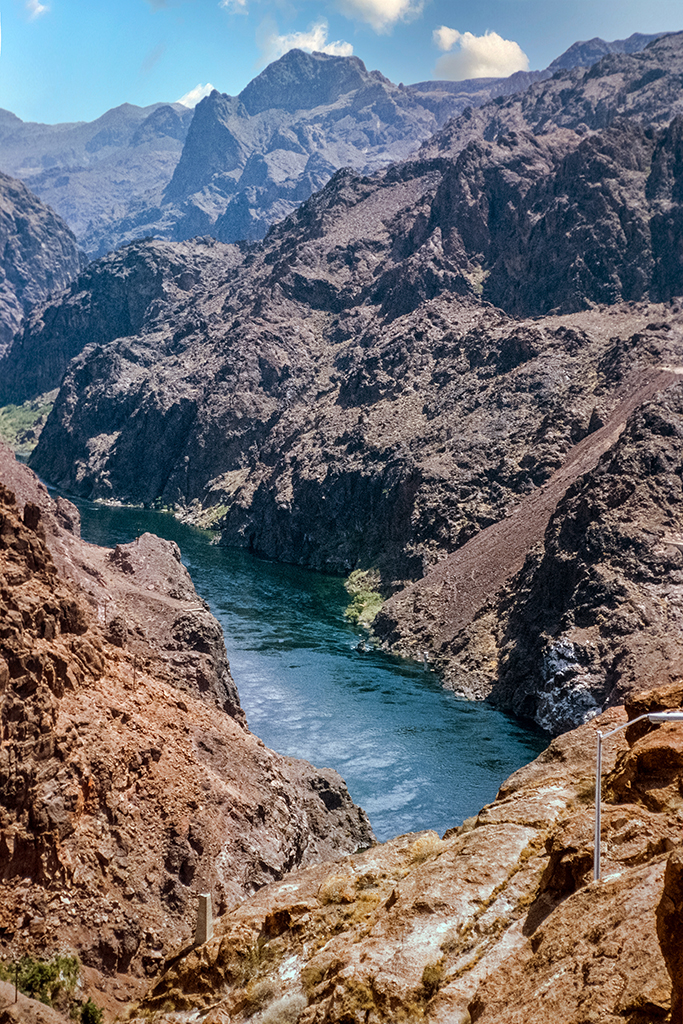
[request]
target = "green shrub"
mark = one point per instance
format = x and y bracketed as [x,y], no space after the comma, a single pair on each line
[91,1013]
[362,586]
[20,425]
[47,979]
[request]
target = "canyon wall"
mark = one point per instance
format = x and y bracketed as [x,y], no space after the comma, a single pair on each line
[129,781]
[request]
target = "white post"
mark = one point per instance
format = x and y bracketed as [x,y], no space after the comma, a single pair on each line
[598,798]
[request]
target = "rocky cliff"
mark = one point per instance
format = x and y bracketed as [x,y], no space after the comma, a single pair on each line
[569,603]
[38,255]
[89,171]
[343,395]
[114,297]
[498,921]
[128,779]
[589,51]
[250,160]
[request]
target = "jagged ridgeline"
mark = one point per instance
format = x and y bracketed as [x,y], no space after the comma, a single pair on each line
[403,360]
[238,163]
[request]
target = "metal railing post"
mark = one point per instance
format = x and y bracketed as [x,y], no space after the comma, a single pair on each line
[598,799]
[656,718]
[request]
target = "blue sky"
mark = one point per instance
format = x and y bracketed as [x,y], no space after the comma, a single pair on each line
[67,60]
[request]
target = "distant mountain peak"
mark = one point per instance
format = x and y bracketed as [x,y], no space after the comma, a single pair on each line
[300,80]
[587,52]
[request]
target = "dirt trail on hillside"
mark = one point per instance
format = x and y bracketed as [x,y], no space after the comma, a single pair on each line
[430,612]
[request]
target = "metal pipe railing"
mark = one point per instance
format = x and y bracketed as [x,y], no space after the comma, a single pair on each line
[656,717]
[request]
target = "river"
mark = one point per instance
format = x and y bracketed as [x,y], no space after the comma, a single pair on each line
[412,754]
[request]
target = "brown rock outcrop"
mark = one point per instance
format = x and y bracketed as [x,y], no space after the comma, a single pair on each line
[25,1010]
[125,787]
[499,921]
[669,923]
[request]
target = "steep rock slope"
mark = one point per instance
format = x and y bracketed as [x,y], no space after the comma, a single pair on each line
[251,159]
[343,396]
[114,297]
[114,688]
[601,607]
[499,921]
[362,305]
[558,637]
[38,255]
[643,87]
[87,171]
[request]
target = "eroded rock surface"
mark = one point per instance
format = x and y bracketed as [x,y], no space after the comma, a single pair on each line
[589,617]
[40,255]
[343,396]
[128,780]
[498,921]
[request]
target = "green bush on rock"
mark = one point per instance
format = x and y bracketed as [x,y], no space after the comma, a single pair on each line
[53,982]
[362,586]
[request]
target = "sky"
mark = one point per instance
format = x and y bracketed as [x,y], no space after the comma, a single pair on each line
[72,60]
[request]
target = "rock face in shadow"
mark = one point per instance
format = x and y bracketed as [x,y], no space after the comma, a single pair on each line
[117,296]
[39,255]
[128,779]
[599,616]
[669,917]
[498,921]
[570,604]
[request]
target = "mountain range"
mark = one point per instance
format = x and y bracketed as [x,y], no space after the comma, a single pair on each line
[236,164]
[403,359]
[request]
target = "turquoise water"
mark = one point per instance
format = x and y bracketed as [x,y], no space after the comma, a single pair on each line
[412,754]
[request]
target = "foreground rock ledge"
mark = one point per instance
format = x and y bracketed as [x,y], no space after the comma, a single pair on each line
[499,921]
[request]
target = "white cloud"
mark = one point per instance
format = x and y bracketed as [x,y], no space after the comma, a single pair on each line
[192,98]
[487,56]
[274,45]
[381,14]
[445,38]
[35,8]
[234,6]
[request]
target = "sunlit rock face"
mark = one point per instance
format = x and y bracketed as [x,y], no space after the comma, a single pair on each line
[128,778]
[498,921]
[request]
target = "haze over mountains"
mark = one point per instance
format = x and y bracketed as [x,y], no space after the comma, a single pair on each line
[249,160]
